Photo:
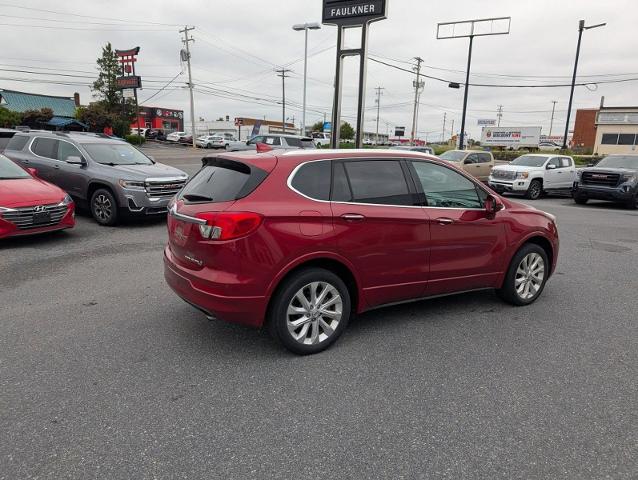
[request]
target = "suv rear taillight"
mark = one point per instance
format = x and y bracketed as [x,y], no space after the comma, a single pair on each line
[228,225]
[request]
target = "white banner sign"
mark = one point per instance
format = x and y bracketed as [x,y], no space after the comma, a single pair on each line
[128,93]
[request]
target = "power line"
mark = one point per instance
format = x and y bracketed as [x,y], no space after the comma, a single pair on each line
[161,89]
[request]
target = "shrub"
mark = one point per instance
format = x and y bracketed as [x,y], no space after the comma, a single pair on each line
[135,139]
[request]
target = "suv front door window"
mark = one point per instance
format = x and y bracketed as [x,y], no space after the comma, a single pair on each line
[466,243]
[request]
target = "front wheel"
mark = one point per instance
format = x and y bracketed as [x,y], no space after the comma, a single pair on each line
[535,190]
[633,203]
[310,311]
[526,276]
[580,199]
[104,207]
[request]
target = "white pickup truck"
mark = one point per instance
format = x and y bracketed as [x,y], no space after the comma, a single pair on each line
[534,174]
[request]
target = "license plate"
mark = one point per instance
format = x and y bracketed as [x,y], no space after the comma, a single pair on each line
[41,218]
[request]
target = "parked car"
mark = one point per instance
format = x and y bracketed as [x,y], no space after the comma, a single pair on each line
[109,176]
[475,162]
[302,240]
[613,178]
[186,140]
[29,205]
[414,148]
[220,141]
[175,136]
[321,139]
[549,146]
[5,136]
[279,141]
[533,174]
[142,132]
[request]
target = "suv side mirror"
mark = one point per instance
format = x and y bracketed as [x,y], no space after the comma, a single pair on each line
[492,205]
[75,160]
[551,166]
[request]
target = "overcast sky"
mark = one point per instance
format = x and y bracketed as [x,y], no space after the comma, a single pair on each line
[240,43]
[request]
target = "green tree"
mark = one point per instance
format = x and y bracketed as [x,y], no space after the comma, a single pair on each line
[105,87]
[317,127]
[9,119]
[346,131]
[37,118]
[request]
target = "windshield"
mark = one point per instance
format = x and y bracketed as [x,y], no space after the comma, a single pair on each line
[619,161]
[453,155]
[116,154]
[529,161]
[9,170]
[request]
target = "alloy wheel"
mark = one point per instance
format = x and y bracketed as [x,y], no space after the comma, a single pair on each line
[102,207]
[534,190]
[314,313]
[529,276]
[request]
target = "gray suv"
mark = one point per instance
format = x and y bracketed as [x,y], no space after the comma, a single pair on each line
[108,175]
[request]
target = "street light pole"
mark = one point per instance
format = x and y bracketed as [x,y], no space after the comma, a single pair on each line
[581,28]
[305,27]
[551,122]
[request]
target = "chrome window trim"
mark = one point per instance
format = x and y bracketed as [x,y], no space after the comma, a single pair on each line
[296,169]
[185,218]
[59,140]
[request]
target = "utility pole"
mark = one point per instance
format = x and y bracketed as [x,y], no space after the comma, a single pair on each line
[499,114]
[452,128]
[282,73]
[551,123]
[417,85]
[186,43]
[378,102]
[443,134]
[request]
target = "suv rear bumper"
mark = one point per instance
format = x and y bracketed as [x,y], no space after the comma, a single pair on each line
[623,193]
[202,295]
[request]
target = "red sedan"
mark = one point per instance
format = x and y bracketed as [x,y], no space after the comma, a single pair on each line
[303,240]
[29,205]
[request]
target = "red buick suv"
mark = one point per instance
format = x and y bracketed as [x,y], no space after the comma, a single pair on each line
[302,240]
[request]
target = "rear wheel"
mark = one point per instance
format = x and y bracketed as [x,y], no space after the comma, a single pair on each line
[104,207]
[535,190]
[526,276]
[310,311]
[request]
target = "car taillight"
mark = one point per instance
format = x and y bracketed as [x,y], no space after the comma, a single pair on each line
[228,225]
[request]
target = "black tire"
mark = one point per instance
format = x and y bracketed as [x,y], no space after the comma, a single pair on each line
[226,147]
[633,203]
[104,208]
[581,199]
[535,190]
[508,291]
[284,297]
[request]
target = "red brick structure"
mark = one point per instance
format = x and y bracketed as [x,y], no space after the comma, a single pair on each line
[585,128]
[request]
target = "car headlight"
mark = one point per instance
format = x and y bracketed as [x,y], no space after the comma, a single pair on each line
[67,200]
[132,184]
[522,174]
[628,177]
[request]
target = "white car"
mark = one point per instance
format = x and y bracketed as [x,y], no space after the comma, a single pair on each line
[226,142]
[175,136]
[549,146]
[139,131]
[321,139]
[534,174]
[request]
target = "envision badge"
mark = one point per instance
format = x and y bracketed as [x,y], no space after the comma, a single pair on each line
[190,258]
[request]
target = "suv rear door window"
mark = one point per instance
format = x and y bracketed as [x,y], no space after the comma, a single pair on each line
[379,182]
[313,180]
[45,147]
[15,142]
[445,188]
[223,181]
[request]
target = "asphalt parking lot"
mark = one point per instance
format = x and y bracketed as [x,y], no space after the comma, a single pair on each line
[105,373]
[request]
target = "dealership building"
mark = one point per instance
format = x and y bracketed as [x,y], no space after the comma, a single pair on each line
[616,130]
[160,118]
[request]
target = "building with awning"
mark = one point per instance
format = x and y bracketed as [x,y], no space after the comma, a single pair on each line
[63,107]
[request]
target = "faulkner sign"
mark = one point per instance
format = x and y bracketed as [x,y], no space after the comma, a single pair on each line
[353,12]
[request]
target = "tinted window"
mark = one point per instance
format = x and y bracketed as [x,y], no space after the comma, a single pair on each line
[256,140]
[453,155]
[5,138]
[446,188]
[272,141]
[473,158]
[619,161]
[222,181]
[626,139]
[116,153]
[313,180]
[340,187]
[381,182]
[555,162]
[45,147]
[609,139]
[308,143]
[66,150]
[484,158]
[293,142]
[529,161]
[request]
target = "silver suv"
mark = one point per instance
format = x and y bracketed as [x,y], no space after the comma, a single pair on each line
[108,175]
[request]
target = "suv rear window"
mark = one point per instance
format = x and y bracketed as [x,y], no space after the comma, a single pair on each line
[313,180]
[222,180]
[17,142]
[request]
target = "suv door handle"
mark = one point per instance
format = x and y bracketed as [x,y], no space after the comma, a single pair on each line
[57,167]
[352,217]
[444,221]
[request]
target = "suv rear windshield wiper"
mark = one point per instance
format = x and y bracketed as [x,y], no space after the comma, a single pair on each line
[194,197]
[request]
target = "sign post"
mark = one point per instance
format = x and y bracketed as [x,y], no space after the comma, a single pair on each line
[345,14]
[129,80]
